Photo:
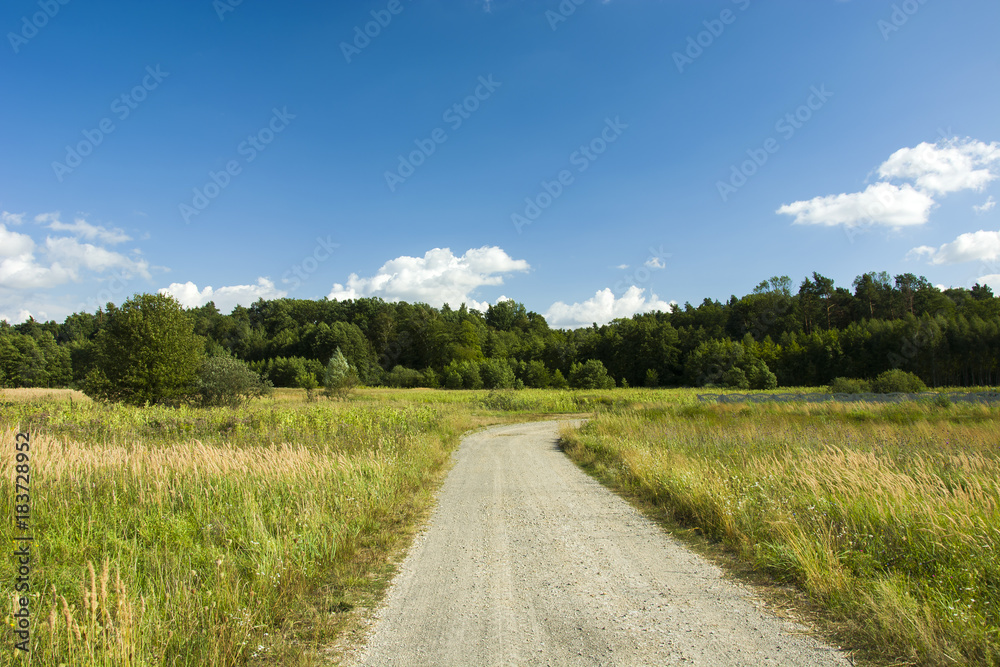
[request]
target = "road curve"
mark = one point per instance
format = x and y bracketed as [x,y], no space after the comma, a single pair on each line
[528,561]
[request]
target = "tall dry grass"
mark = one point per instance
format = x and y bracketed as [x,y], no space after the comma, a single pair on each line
[212,537]
[888,515]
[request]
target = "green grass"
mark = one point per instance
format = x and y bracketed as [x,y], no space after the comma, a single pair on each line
[214,537]
[886,515]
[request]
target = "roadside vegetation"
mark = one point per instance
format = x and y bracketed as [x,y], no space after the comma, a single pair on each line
[887,515]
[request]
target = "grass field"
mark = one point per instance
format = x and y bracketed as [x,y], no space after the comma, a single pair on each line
[214,537]
[246,537]
[886,515]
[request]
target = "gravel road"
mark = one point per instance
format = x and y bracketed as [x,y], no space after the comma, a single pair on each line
[528,561]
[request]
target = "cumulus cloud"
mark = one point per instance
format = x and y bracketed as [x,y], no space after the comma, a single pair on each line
[880,204]
[934,169]
[604,307]
[988,205]
[947,166]
[437,278]
[83,229]
[225,298]
[971,247]
[73,256]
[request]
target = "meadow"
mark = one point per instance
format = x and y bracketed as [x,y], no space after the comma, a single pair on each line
[887,516]
[222,536]
[249,536]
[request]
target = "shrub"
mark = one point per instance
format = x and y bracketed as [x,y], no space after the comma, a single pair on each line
[404,378]
[496,374]
[453,379]
[590,375]
[735,378]
[503,399]
[225,381]
[558,380]
[898,380]
[849,386]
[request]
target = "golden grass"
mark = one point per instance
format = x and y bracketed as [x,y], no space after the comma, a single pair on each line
[889,515]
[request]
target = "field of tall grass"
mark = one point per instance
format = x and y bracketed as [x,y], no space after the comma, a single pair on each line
[212,536]
[886,515]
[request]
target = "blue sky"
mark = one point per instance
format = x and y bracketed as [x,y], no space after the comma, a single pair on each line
[590,159]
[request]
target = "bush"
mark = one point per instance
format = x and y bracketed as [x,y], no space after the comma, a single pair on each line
[590,375]
[504,399]
[849,386]
[496,374]
[224,381]
[558,380]
[898,380]
[404,378]
[453,379]
[760,376]
[735,378]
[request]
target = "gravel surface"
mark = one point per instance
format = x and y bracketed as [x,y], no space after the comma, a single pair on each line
[528,561]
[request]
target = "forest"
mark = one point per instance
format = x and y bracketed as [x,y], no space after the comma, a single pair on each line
[771,337]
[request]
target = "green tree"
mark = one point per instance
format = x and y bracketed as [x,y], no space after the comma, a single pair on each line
[339,378]
[147,353]
[496,373]
[590,375]
[225,381]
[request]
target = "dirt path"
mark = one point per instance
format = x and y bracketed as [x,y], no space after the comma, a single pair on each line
[528,561]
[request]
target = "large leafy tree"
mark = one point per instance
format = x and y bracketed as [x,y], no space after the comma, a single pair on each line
[146,353]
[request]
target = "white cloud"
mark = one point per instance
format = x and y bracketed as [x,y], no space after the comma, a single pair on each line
[83,229]
[22,316]
[880,204]
[225,298]
[437,278]
[73,256]
[975,246]
[948,166]
[622,267]
[934,169]
[11,218]
[989,205]
[13,244]
[655,263]
[604,307]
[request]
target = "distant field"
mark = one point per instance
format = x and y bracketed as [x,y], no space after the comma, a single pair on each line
[887,515]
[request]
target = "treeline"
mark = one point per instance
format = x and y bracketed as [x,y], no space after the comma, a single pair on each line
[773,336]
